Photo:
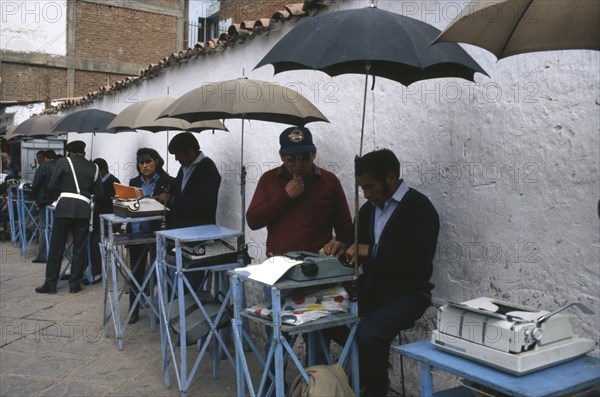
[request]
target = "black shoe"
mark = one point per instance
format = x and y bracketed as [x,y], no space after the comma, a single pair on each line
[66,277]
[135,316]
[95,280]
[36,260]
[45,289]
[75,289]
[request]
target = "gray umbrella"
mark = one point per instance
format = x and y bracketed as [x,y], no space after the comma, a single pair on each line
[511,27]
[247,100]
[35,126]
[144,116]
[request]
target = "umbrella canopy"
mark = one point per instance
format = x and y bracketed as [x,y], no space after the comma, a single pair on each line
[244,99]
[392,45]
[247,100]
[370,41]
[143,116]
[36,126]
[82,121]
[511,27]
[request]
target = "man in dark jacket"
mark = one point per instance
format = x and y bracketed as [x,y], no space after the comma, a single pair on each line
[78,179]
[103,205]
[398,230]
[198,181]
[43,196]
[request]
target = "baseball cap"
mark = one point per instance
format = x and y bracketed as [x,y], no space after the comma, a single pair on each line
[296,140]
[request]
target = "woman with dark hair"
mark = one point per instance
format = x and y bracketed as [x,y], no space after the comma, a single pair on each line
[153,180]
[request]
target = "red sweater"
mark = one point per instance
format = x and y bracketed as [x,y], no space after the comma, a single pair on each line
[304,223]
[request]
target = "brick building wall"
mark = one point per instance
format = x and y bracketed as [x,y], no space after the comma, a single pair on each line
[32,83]
[244,10]
[121,34]
[109,44]
[91,81]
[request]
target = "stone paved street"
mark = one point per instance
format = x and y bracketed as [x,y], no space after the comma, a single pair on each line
[54,345]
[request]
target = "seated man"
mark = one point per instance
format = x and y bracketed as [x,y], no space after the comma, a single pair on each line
[398,230]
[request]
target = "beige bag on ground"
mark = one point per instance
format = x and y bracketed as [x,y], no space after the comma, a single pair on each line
[325,381]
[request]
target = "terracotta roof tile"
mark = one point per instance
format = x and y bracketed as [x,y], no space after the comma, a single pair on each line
[262,24]
[248,25]
[236,33]
[281,15]
[295,9]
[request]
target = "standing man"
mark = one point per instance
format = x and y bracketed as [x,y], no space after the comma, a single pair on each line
[103,206]
[43,196]
[198,181]
[299,203]
[398,230]
[77,179]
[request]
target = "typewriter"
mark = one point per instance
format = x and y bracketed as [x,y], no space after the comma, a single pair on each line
[513,338]
[206,253]
[316,267]
[129,202]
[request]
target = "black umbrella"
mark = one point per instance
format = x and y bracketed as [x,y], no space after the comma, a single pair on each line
[85,121]
[370,41]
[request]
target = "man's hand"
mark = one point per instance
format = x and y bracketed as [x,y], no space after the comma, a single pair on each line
[295,187]
[363,250]
[334,248]
[163,198]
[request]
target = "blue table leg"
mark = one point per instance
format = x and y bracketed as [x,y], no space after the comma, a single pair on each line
[426,380]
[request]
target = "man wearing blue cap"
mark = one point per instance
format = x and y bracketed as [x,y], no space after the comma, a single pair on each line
[299,203]
[77,179]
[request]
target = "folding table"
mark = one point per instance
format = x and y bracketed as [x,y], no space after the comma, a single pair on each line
[114,264]
[280,349]
[27,217]
[178,299]
[568,378]
[15,227]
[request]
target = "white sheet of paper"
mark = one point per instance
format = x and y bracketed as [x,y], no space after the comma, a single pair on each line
[270,270]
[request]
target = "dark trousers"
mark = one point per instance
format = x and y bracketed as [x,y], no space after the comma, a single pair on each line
[42,231]
[382,322]
[138,255]
[96,257]
[61,228]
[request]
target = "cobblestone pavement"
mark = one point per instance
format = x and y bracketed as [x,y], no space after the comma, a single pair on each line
[54,345]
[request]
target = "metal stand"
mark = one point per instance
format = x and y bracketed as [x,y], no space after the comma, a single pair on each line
[174,288]
[15,228]
[113,263]
[280,349]
[25,209]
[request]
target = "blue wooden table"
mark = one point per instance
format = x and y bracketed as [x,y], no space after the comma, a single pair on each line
[114,263]
[173,274]
[569,377]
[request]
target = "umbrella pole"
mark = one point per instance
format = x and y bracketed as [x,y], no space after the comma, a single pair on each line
[364,112]
[243,181]
[362,134]
[167,156]
[92,148]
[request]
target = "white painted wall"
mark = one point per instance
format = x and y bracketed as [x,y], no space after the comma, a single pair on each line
[34,26]
[510,162]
